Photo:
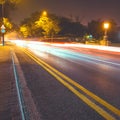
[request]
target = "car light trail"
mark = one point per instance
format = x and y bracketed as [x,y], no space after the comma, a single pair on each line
[40,47]
[70,84]
[64,53]
[107,48]
[34,43]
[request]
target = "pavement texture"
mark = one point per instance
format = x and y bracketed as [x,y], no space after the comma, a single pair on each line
[9,107]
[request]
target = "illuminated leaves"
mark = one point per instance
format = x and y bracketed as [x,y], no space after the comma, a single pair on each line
[7,23]
[49,25]
[2,1]
[25,30]
[11,1]
[15,1]
[38,26]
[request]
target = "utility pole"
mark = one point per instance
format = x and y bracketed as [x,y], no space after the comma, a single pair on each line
[3,31]
[3,27]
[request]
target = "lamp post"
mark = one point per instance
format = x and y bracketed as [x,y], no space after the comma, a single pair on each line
[3,31]
[3,27]
[106,27]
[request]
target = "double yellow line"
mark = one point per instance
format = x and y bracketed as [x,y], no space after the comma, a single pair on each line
[71,85]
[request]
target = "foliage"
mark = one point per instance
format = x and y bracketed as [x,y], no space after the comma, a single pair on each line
[70,28]
[113,31]
[8,5]
[2,1]
[10,1]
[95,28]
[25,31]
[30,26]
[41,25]
[7,23]
[49,25]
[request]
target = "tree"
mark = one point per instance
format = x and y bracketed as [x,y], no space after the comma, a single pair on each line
[50,25]
[113,31]
[7,23]
[30,24]
[10,1]
[95,29]
[25,31]
[7,6]
[70,28]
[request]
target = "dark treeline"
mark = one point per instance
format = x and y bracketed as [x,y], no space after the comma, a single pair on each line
[51,25]
[69,28]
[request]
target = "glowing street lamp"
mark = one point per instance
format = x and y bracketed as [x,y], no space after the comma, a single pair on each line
[106,27]
[44,13]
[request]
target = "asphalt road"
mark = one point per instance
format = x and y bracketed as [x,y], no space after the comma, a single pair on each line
[93,96]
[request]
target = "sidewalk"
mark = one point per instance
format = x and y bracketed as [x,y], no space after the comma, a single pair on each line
[9,108]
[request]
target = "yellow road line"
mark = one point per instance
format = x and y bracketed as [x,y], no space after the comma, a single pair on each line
[98,99]
[55,73]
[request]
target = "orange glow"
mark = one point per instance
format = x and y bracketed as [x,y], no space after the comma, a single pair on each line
[40,45]
[44,13]
[106,25]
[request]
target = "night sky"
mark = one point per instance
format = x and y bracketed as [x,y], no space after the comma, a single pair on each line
[87,10]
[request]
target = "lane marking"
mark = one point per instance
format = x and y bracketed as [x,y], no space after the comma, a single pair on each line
[58,76]
[98,99]
[29,107]
[20,98]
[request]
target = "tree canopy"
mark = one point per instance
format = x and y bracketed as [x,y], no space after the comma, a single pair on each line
[49,24]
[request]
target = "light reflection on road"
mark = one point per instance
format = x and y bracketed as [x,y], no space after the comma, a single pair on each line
[97,73]
[41,48]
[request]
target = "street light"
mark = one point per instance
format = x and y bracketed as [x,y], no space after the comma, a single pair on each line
[3,27]
[44,13]
[3,31]
[106,27]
